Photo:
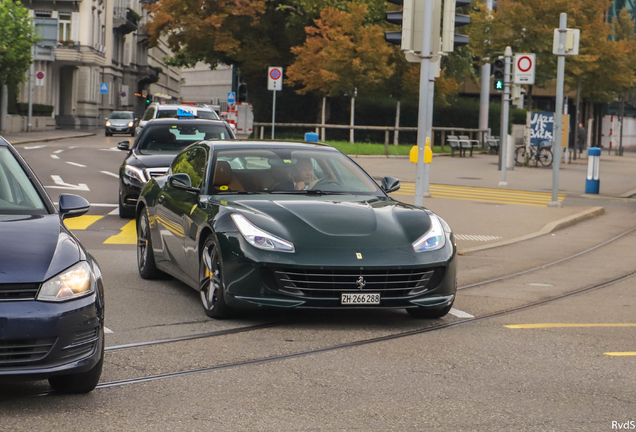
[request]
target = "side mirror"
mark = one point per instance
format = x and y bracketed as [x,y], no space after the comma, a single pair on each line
[390,184]
[105,118]
[72,205]
[136,120]
[182,181]
[123,145]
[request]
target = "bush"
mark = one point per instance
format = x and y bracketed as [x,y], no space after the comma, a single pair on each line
[38,109]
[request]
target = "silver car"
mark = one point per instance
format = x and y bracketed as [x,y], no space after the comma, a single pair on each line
[120,122]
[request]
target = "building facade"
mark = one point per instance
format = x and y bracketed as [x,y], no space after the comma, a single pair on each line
[94,59]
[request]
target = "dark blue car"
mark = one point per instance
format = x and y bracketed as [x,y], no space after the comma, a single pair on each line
[51,290]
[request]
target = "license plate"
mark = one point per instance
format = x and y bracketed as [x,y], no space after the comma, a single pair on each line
[366,298]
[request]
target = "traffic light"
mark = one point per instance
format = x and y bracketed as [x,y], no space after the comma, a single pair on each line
[498,71]
[450,40]
[403,18]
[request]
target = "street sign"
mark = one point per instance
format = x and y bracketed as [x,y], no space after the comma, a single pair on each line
[39,75]
[275,78]
[40,79]
[231,97]
[525,65]
[571,47]
[103,88]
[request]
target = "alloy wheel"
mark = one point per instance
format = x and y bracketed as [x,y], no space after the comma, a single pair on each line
[211,278]
[142,241]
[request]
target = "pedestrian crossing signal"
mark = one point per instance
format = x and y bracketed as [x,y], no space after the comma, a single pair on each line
[499,84]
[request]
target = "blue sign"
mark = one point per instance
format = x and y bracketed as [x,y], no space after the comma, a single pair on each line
[231,97]
[542,127]
[185,113]
[103,88]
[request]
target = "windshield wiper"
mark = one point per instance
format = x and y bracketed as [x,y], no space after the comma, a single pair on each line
[310,192]
[243,192]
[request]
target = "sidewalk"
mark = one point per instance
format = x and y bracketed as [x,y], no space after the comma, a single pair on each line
[466,194]
[35,137]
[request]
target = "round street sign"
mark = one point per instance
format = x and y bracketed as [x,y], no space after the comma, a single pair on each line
[524,64]
[123,94]
[39,75]
[274,74]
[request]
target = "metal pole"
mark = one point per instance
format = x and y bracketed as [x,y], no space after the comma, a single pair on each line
[558,115]
[273,114]
[353,109]
[423,103]
[322,131]
[429,127]
[396,134]
[620,138]
[31,73]
[505,105]
[578,118]
[484,100]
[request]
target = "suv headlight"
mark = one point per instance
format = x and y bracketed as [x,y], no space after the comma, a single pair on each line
[261,239]
[434,239]
[74,282]
[135,173]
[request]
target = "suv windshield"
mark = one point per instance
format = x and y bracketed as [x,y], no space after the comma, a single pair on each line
[121,115]
[17,193]
[289,171]
[167,138]
[169,113]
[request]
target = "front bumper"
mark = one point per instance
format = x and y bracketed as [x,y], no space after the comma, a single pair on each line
[40,339]
[120,130]
[254,281]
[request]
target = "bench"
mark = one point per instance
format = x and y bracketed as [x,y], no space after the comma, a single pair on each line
[467,143]
[453,142]
[493,145]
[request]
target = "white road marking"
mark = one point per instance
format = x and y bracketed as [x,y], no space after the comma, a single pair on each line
[110,174]
[475,237]
[58,151]
[76,164]
[34,147]
[540,285]
[55,156]
[114,212]
[107,330]
[460,314]
[71,148]
[60,184]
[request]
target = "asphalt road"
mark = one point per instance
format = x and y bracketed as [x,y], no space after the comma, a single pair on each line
[368,370]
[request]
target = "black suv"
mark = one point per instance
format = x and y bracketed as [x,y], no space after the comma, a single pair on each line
[155,148]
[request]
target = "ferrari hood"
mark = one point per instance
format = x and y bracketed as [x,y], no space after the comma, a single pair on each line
[375,223]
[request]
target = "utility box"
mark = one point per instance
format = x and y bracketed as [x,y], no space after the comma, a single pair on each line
[241,115]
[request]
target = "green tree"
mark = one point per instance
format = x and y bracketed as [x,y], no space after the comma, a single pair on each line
[17,36]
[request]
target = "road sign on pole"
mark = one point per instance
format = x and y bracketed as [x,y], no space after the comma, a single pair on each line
[275,78]
[231,97]
[524,68]
[505,106]
[103,88]
[40,79]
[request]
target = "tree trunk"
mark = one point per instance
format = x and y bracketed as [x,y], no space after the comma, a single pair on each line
[4,106]
[527,135]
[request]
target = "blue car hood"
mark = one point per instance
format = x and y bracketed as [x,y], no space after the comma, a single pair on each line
[34,248]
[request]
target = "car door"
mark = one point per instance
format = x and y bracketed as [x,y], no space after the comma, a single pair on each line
[180,205]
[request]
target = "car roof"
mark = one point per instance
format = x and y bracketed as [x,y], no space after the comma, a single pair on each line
[175,106]
[252,144]
[183,120]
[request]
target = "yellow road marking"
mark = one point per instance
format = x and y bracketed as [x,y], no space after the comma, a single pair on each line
[617,354]
[474,189]
[81,222]
[127,235]
[536,326]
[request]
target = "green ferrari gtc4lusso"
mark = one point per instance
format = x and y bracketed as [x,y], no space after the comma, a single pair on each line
[291,225]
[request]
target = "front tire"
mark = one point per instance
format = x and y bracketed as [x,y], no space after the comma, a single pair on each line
[211,282]
[77,383]
[429,313]
[145,256]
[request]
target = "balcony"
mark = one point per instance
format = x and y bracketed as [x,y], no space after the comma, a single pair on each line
[125,20]
[80,54]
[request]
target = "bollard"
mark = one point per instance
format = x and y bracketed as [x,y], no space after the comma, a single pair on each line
[311,137]
[593,181]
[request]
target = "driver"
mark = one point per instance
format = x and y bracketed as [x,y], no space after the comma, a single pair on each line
[304,177]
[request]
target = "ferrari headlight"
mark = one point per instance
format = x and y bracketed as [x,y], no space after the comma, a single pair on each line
[130,124]
[261,239]
[434,239]
[135,173]
[107,124]
[74,282]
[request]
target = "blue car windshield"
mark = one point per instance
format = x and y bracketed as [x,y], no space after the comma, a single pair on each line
[17,193]
[289,171]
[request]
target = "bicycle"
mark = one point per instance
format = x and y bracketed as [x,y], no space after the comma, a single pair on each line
[539,154]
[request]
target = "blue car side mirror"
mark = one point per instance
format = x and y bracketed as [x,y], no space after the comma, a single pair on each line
[72,205]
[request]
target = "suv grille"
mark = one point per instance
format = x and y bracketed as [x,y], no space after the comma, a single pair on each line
[330,283]
[20,291]
[21,351]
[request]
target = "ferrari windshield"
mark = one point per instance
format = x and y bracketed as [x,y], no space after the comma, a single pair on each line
[172,138]
[289,171]
[17,193]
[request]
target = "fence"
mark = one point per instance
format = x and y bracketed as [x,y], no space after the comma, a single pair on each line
[439,133]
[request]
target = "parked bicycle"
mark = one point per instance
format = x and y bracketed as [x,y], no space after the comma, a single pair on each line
[541,154]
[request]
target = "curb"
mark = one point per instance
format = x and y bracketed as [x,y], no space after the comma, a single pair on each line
[628,194]
[547,229]
[36,140]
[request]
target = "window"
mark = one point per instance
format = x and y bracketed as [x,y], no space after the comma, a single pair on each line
[42,14]
[166,138]
[64,27]
[17,193]
[191,162]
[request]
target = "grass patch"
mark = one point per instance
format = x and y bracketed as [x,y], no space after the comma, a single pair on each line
[377,149]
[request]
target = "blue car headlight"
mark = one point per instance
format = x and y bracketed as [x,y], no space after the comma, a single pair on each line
[259,238]
[74,282]
[435,238]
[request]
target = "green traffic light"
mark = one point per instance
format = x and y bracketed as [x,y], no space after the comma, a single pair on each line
[499,84]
